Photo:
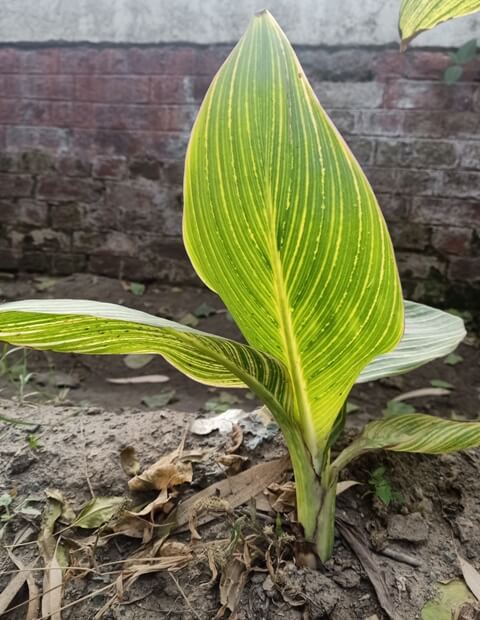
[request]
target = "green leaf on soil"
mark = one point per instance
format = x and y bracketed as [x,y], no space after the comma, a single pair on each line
[453,359]
[382,487]
[221,403]
[452,74]
[98,511]
[395,407]
[136,361]
[136,288]
[204,310]
[440,383]
[5,500]
[162,399]
[33,441]
[189,319]
[451,595]
[351,407]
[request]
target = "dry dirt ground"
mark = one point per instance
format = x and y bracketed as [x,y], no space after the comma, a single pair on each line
[79,423]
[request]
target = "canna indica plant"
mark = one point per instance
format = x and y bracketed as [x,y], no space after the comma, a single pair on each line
[419,15]
[282,224]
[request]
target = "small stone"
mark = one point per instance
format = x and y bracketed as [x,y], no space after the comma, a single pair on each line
[411,528]
[20,463]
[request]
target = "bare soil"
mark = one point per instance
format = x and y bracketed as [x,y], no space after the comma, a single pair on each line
[80,435]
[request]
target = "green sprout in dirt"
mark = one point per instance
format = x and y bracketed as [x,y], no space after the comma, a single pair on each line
[382,487]
[281,222]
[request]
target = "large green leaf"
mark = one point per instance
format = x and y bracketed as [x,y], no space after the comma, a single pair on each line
[429,334]
[419,15]
[281,222]
[71,325]
[412,432]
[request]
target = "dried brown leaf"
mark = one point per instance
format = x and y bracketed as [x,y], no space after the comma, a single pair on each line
[129,461]
[162,475]
[236,490]
[233,463]
[236,439]
[52,590]
[471,576]
[367,559]
[344,485]
[232,582]
[33,593]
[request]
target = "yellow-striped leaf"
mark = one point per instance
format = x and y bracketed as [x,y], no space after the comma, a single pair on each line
[281,222]
[75,326]
[411,432]
[429,334]
[419,15]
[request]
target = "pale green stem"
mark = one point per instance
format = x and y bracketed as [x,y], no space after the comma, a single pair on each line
[316,495]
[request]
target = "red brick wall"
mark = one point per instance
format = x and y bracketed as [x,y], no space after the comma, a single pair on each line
[92,141]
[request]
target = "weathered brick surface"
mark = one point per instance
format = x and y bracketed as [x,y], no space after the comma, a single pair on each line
[92,142]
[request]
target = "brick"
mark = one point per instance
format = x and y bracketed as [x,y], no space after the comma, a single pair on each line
[196,87]
[382,179]
[73,166]
[43,61]
[429,96]
[418,182]
[167,60]
[464,268]
[9,162]
[420,265]
[47,239]
[35,162]
[362,148]
[59,189]
[209,60]
[343,120]
[8,111]
[135,117]
[419,153]
[347,65]
[436,124]
[349,94]
[67,216]
[37,86]
[410,236]
[9,62]
[461,184]
[22,138]
[34,261]
[171,89]
[394,207]
[146,168]
[109,167]
[452,240]
[135,206]
[125,89]
[174,118]
[470,155]
[8,260]
[15,186]
[24,212]
[389,64]
[380,122]
[64,264]
[445,211]
[112,243]
[92,60]
[172,172]
[426,65]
